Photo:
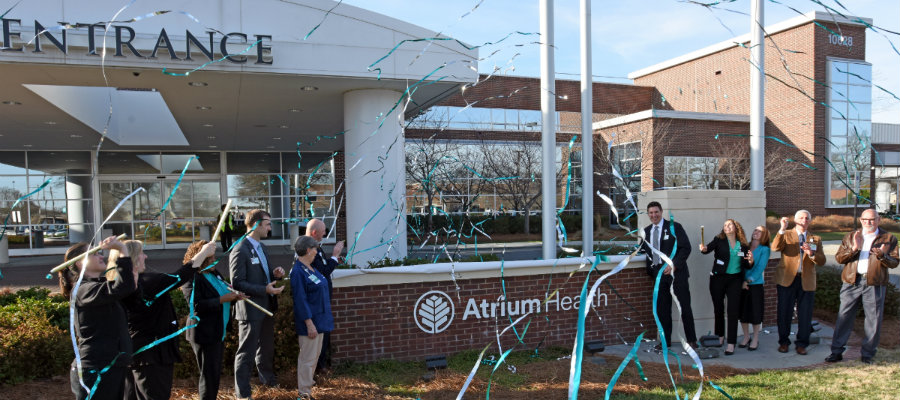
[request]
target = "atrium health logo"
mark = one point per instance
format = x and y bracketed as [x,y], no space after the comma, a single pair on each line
[434,312]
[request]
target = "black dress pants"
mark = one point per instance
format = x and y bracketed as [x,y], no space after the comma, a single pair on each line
[149,382]
[209,362]
[724,287]
[787,297]
[664,307]
[110,387]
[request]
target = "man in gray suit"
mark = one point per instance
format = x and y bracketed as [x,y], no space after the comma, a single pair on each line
[251,274]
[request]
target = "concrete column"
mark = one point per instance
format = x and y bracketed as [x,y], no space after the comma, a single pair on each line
[78,188]
[375,176]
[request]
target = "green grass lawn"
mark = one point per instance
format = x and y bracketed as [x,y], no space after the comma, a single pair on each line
[845,380]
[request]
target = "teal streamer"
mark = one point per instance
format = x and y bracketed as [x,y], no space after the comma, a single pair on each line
[724,393]
[150,302]
[496,365]
[623,364]
[100,374]
[171,195]
[323,20]
[221,289]
[211,62]
[352,247]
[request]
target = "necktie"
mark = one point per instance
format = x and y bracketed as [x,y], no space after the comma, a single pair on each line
[802,240]
[655,241]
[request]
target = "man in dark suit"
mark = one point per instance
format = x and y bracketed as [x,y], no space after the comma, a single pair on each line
[315,229]
[662,235]
[252,275]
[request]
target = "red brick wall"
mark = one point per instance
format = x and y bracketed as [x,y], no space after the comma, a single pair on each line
[720,83]
[376,322]
[525,94]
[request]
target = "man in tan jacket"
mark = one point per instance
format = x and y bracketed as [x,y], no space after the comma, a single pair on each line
[864,282]
[801,253]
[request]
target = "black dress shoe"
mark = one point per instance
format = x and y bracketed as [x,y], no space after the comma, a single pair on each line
[728,353]
[834,358]
[752,348]
[866,360]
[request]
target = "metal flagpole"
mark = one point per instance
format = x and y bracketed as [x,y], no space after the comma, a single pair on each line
[587,139]
[757,96]
[548,131]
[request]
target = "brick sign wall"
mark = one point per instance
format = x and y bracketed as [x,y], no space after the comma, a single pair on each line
[375,322]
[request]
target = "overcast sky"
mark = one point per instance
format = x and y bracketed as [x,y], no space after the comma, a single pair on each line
[630,35]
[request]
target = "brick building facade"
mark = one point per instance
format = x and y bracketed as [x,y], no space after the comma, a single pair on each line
[698,105]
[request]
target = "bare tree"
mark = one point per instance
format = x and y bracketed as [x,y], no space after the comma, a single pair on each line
[516,171]
[427,161]
[734,164]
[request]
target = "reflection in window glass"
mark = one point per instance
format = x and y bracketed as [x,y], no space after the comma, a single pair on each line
[59,162]
[12,163]
[849,131]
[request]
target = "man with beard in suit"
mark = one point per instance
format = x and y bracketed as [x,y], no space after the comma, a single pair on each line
[663,236]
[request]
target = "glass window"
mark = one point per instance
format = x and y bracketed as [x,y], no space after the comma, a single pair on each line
[860,94]
[13,163]
[128,163]
[59,162]
[205,163]
[248,163]
[860,74]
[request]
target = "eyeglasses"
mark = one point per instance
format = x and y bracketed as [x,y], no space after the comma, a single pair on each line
[867,219]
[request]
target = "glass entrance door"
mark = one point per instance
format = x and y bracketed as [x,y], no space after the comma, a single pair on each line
[161,216]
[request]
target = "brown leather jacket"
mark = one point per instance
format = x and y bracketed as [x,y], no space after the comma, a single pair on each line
[877,274]
[789,246]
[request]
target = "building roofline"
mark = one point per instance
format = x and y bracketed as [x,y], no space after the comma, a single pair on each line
[733,42]
[669,114]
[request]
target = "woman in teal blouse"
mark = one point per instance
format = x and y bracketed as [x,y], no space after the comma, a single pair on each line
[731,260]
[752,293]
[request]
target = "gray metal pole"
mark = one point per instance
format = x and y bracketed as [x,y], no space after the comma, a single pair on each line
[548,131]
[587,138]
[757,96]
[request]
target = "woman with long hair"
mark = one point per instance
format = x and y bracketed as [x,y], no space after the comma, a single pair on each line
[730,262]
[211,300]
[99,323]
[152,324]
[752,294]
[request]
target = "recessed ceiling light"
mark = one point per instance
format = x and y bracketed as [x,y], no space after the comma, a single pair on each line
[50,122]
[294,110]
[259,126]
[283,126]
[309,88]
[74,136]
[123,160]
[198,84]
[207,125]
[212,146]
[204,108]
[12,103]
[211,137]
[270,147]
[70,160]
[276,138]
[27,145]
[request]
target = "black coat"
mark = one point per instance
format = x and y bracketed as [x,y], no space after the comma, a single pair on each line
[100,321]
[156,321]
[207,307]
[325,265]
[666,244]
[722,255]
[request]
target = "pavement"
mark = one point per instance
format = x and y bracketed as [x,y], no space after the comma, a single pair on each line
[765,357]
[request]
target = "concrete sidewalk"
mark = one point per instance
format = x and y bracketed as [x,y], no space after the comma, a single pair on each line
[765,357]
